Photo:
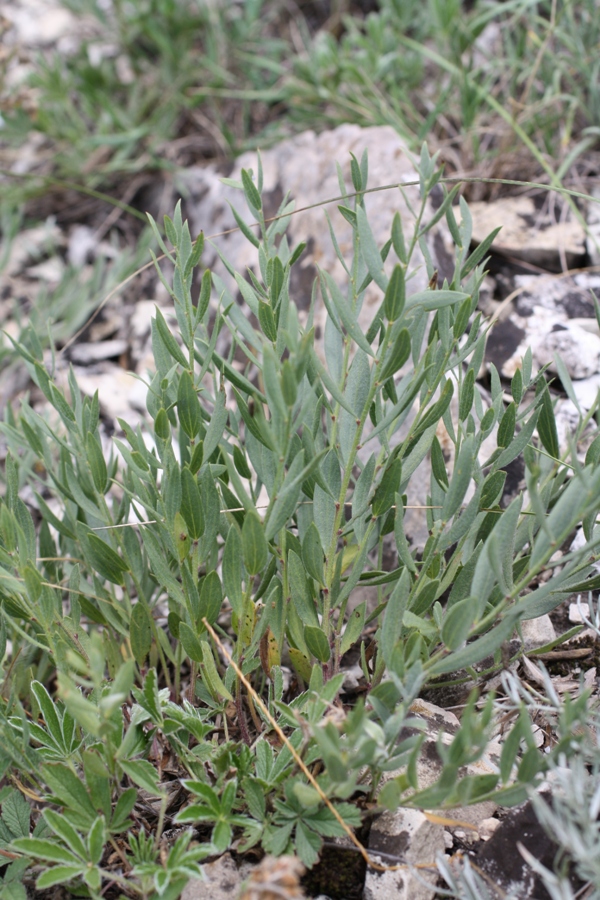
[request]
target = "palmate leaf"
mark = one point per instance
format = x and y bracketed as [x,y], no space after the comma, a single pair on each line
[64,830]
[68,787]
[16,814]
[142,773]
[308,844]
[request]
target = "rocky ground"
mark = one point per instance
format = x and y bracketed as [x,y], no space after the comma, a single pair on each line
[539,294]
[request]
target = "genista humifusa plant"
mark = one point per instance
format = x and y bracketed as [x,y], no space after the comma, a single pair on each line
[256,500]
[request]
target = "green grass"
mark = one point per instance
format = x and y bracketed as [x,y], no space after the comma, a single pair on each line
[216,79]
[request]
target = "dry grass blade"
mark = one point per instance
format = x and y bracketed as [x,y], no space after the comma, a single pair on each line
[302,766]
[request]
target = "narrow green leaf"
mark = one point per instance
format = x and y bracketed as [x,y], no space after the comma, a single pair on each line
[162,427]
[254,544]
[478,649]
[277,281]
[97,463]
[363,487]
[369,250]
[397,356]
[354,627]
[383,499]
[67,786]
[190,642]
[169,341]
[349,215]
[391,628]
[493,488]
[251,191]
[160,567]
[324,515]
[478,254]
[398,238]
[357,392]
[216,426]
[546,426]
[191,504]
[312,553]
[211,598]
[289,384]
[254,419]
[467,392]
[461,478]
[345,311]
[432,300]
[506,427]
[299,590]
[232,570]
[518,444]
[212,677]
[287,497]
[395,295]
[266,320]
[244,227]
[317,643]
[140,633]
[105,560]
[458,622]
[436,412]
[188,406]
[438,464]
[564,516]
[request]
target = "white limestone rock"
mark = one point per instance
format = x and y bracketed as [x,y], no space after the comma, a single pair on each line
[306,167]
[537,632]
[537,236]
[406,835]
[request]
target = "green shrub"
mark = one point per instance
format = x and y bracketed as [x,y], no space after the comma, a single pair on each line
[107,597]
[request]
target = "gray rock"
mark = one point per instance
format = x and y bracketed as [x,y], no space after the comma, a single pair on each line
[578,348]
[222,881]
[570,295]
[548,334]
[500,859]
[534,235]
[466,819]
[577,611]
[409,836]
[537,632]
[593,221]
[306,167]
[87,354]
[487,827]
[586,391]
[552,315]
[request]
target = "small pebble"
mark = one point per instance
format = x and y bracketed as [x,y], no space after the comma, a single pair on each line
[448,840]
[575,612]
[487,827]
